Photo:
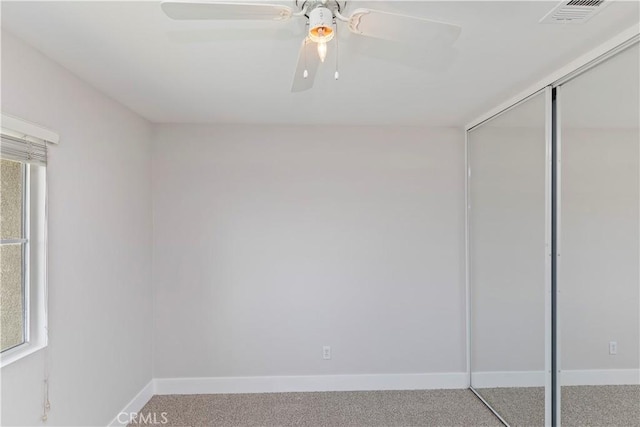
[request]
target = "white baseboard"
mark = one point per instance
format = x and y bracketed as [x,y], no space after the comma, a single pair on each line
[281,384]
[600,377]
[567,377]
[495,379]
[134,406]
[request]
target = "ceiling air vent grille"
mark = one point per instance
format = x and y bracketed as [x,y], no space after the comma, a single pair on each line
[574,11]
[592,3]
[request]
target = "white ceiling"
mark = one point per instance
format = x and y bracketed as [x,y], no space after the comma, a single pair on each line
[195,72]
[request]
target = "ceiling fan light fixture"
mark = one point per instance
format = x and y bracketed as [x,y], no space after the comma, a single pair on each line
[321,25]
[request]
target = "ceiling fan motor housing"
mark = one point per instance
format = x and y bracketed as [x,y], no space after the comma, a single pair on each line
[321,24]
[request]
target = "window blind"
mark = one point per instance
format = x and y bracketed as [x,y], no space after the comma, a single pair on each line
[26,149]
[24,141]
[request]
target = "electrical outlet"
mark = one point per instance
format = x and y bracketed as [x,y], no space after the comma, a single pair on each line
[326,352]
[613,348]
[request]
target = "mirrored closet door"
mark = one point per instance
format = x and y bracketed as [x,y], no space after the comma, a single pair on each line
[553,251]
[598,283]
[509,235]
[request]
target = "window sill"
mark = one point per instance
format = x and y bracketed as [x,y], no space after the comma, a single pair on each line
[16,353]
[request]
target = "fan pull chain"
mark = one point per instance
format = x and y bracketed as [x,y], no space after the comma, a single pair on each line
[335,25]
[305,73]
[46,405]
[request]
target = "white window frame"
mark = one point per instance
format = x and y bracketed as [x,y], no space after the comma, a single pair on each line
[35,247]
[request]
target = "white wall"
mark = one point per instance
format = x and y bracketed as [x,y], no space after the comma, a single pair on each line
[599,272]
[600,291]
[507,240]
[99,247]
[270,242]
[507,258]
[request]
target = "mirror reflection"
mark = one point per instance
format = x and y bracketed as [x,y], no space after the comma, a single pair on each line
[509,260]
[598,275]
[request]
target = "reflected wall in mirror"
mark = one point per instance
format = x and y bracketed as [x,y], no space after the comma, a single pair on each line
[598,268]
[509,261]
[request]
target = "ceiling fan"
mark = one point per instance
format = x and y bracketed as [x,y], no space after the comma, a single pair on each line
[322,18]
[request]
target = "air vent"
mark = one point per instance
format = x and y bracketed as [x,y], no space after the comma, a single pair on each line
[574,11]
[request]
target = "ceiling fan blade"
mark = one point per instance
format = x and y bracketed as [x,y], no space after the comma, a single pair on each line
[177,9]
[214,35]
[307,60]
[431,59]
[402,28]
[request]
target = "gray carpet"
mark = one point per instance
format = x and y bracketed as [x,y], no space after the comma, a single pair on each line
[366,408]
[598,406]
[520,407]
[594,406]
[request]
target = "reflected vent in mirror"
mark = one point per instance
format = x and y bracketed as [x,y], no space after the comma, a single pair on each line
[574,11]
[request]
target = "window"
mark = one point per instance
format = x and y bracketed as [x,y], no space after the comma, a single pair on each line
[13,254]
[23,159]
